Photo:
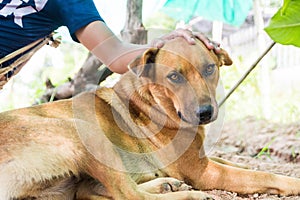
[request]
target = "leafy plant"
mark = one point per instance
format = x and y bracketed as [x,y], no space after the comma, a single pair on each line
[266,151]
[284,27]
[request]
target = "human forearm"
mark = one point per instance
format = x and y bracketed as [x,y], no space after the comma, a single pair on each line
[100,40]
[118,55]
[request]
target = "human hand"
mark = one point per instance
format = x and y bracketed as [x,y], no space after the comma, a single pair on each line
[190,38]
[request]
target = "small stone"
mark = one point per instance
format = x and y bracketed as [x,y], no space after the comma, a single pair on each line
[255,195]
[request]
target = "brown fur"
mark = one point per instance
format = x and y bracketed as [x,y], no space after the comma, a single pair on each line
[99,145]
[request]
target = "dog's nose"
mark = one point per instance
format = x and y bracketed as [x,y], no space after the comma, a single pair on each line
[205,113]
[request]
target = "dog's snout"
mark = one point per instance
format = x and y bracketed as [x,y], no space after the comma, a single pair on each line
[205,113]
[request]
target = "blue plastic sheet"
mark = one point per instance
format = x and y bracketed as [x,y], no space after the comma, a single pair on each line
[233,12]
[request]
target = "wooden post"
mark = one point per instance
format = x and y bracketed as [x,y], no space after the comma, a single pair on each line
[217,31]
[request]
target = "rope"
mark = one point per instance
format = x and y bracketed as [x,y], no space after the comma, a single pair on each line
[26,53]
[246,74]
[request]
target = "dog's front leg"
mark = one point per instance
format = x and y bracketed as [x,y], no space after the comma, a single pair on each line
[122,187]
[118,184]
[164,185]
[90,189]
[220,176]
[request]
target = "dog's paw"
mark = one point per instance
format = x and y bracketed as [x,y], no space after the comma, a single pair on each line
[164,185]
[174,185]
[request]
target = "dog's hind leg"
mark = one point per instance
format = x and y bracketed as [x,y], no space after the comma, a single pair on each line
[91,189]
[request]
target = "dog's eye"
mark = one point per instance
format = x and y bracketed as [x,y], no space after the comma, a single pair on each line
[209,70]
[175,77]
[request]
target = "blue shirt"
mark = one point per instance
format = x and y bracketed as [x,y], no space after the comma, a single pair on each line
[25,21]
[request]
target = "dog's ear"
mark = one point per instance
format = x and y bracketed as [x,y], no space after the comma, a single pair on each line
[224,58]
[141,65]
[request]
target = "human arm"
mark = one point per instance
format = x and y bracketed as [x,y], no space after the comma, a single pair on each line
[103,43]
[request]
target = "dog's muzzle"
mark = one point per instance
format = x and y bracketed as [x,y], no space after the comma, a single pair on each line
[205,114]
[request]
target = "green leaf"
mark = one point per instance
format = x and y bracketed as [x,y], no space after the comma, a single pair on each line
[284,27]
[284,7]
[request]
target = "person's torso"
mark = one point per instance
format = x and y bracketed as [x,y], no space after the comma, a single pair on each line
[23,22]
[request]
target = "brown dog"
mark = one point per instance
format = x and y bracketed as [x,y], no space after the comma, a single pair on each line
[149,125]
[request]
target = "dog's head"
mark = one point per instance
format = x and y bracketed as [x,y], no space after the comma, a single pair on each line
[183,79]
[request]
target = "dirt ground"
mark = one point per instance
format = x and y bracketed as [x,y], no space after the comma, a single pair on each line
[243,141]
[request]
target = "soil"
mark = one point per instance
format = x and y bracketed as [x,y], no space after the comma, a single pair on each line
[260,145]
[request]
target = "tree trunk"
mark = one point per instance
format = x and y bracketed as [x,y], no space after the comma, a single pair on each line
[87,78]
[134,30]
